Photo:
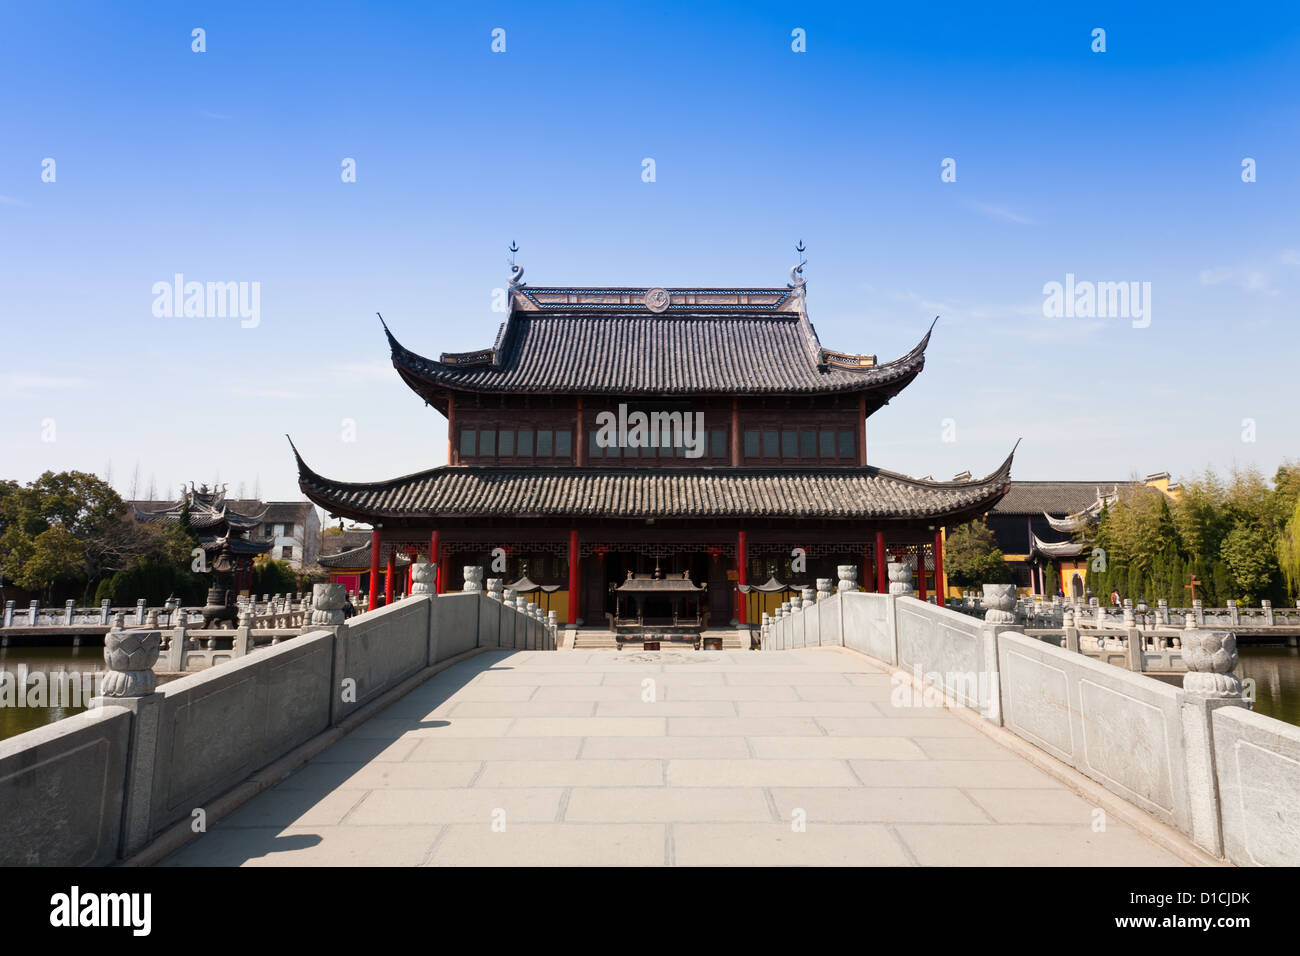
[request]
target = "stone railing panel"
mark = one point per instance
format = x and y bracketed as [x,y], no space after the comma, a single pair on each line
[65,782]
[1121,729]
[1257,765]
[381,648]
[456,622]
[868,624]
[221,725]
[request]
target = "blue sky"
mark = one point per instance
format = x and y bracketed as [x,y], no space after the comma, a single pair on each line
[225,166]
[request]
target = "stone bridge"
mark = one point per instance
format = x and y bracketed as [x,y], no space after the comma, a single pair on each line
[871,730]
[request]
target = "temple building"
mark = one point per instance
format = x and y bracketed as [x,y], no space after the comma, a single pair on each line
[225,533]
[1042,529]
[698,435]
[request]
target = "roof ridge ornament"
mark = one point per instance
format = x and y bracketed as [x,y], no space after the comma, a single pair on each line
[516,271]
[797,281]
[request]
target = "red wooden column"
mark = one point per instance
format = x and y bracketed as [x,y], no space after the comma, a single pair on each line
[742,575]
[436,558]
[388,578]
[375,545]
[575,579]
[940,586]
[881,577]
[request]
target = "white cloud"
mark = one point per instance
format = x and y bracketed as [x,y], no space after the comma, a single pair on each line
[1251,280]
[999,212]
[22,383]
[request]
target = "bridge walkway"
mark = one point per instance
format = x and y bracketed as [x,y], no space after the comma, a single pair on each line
[676,757]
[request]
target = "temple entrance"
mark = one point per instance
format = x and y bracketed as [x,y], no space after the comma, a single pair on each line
[608,571]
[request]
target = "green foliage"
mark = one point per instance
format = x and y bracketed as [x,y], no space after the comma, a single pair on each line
[274,577]
[154,581]
[1239,536]
[972,557]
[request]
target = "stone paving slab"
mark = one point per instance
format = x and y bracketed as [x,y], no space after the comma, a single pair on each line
[739,758]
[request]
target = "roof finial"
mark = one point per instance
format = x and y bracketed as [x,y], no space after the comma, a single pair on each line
[516,272]
[796,274]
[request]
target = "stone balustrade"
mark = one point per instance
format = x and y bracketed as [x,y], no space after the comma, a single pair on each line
[127,771]
[1194,757]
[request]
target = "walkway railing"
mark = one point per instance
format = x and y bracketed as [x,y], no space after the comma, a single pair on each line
[1195,757]
[147,760]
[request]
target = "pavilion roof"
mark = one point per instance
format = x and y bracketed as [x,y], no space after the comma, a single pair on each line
[609,342]
[208,509]
[1057,549]
[355,559]
[488,491]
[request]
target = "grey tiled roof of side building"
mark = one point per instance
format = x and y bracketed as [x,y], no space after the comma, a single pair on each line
[1053,497]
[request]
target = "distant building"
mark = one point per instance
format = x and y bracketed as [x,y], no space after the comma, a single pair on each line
[1038,524]
[295,530]
[287,531]
[346,558]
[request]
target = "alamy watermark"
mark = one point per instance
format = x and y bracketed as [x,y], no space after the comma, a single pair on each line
[651,430]
[1098,300]
[208,300]
[38,689]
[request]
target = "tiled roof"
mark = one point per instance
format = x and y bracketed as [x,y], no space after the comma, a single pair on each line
[334,543]
[1052,497]
[481,491]
[1057,549]
[643,353]
[355,559]
[287,511]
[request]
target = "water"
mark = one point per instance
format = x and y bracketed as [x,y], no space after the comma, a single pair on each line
[47,660]
[1276,671]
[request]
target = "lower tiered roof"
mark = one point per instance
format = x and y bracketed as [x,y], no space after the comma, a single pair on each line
[638,493]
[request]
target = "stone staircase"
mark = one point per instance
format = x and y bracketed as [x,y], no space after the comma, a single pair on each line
[733,639]
[593,639]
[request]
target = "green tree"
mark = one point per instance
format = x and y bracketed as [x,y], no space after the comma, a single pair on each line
[972,557]
[1249,556]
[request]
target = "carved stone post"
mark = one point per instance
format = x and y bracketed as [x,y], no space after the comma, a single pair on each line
[808,597]
[105,610]
[473,577]
[327,603]
[1198,612]
[900,578]
[424,575]
[494,586]
[848,575]
[129,656]
[1211,657]
[129,682]
[67,612]
[9,614]
[1162,611]
[1129,619]
[508,597]
[823,588]
[999,599]
[1268,612]
[1234,613]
